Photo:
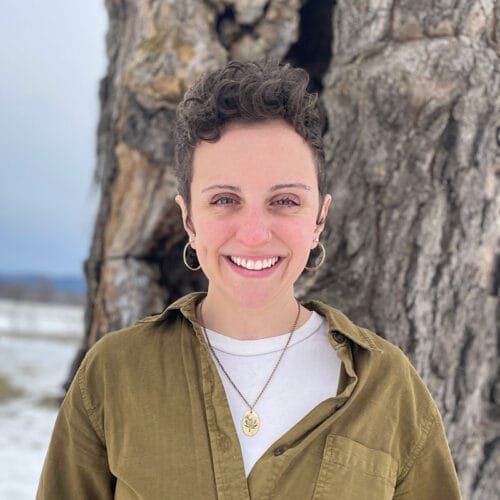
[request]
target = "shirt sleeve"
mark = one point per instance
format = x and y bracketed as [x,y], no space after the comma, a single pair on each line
[76,465]
[430,473]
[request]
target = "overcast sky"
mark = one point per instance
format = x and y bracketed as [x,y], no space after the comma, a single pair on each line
[52,55]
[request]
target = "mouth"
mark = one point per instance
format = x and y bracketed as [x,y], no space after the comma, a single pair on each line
[254,264]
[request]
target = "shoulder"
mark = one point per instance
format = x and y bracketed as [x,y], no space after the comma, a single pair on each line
[148,331]
[131,361]
[358,335]
[125,341]
[137,349]
[151,340]
[380,363]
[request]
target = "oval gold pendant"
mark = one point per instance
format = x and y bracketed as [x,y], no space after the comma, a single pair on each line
[250,423]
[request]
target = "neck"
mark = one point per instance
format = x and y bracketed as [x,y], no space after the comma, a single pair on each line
[238,321]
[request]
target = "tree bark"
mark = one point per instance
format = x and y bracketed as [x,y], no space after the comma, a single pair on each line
[411,98]
[413,113]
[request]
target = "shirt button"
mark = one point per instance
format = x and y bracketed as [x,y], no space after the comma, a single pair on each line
[339,337]
[279,451]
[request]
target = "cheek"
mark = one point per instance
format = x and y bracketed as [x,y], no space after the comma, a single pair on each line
[211,233]
[297,234]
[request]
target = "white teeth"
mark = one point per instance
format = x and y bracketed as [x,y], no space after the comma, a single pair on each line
[254,265]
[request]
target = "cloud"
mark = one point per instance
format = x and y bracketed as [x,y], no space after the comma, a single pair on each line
[52,57]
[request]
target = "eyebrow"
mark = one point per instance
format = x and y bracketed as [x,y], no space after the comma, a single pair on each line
[229,187]
[276,187]
[299,185]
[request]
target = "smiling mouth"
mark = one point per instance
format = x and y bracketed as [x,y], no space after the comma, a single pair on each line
[254,265]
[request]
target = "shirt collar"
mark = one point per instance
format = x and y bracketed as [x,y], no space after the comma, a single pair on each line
[186,305]
[337,321]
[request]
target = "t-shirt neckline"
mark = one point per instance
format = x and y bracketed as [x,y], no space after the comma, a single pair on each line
[238,347]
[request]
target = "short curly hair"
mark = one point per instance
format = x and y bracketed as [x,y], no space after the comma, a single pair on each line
[246,92]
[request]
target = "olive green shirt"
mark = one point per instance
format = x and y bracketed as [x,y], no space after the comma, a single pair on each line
[147,418]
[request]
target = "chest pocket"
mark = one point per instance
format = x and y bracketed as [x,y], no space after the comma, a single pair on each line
[351,471]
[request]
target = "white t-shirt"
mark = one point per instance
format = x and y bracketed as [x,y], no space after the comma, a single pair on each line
[307,375]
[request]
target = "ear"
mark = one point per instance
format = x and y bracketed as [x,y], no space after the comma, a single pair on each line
[186,219]
[320,224]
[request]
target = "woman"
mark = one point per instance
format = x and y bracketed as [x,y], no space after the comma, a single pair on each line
[242,392]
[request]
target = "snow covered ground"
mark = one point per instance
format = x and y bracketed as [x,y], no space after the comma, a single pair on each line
[34,318]
[37,345]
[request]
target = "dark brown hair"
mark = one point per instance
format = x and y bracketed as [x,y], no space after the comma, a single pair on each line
[246,92]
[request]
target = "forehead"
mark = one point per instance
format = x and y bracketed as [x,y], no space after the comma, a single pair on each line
[270,150]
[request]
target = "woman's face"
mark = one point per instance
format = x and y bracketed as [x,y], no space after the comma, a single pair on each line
[253,214]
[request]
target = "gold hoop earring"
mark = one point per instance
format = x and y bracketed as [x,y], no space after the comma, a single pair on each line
[192,257]
[321,260]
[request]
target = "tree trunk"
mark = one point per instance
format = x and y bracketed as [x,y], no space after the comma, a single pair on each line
[412,130]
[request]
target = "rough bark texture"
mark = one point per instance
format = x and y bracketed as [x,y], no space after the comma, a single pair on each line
[413,110]
[410,91]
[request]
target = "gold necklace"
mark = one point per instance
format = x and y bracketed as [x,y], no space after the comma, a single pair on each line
[251,421]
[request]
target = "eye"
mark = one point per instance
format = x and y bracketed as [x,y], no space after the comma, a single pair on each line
[286,202]
[223,200]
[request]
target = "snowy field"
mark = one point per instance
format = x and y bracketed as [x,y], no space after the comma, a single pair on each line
[37,345]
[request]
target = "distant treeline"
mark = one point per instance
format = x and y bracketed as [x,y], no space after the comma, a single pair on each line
[40,288]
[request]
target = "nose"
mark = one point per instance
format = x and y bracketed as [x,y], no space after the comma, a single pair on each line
[253,229]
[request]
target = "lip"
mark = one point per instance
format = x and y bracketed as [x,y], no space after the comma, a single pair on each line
[254,273]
